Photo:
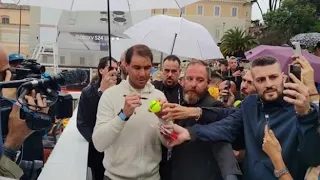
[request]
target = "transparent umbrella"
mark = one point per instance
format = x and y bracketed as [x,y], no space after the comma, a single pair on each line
[306,39]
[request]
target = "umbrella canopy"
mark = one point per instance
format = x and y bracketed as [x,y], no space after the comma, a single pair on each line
[175,35]
[307,39]
[101,5]
[283,55]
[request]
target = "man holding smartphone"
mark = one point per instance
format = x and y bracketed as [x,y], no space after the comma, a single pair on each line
[290,119]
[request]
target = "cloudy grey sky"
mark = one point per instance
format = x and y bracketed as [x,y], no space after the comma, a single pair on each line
[255,10]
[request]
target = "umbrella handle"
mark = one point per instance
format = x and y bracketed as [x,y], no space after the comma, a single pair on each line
[174,42]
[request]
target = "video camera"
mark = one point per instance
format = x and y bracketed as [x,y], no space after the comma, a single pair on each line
[28,76]
[28,68]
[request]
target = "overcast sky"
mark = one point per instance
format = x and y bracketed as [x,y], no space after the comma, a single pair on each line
[256,14]
[255,10]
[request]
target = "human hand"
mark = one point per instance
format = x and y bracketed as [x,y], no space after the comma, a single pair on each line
[271,145]
[10,93]
[307,72]
[300,92]
[307,76]
[109,80]
[237,73]
[161,113]
[181,133]
[230,95]
[177,112]
[18,129]
[131,103]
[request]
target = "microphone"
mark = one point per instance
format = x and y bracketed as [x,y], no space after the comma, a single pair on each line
[64,78]
[14,84]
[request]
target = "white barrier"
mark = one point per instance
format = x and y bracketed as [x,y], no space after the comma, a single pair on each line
[68,160]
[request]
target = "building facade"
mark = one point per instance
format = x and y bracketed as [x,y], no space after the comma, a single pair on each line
[10,26]
[216,15]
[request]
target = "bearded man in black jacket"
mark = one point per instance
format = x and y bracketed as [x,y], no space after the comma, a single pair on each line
[87,110]
[201,160]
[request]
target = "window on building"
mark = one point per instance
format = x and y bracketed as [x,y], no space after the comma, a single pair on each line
[200,10]
[62,60]
[82,61]
[217,10]
[5,20]
[183,10]
[217,34]
[45,59]
[234,12]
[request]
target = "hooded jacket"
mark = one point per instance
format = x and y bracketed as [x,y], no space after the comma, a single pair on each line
[132,148]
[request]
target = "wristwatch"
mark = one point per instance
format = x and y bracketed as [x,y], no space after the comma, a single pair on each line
[123,116]
[281,172]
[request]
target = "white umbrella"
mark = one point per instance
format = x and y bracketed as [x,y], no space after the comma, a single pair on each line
[120,46]
[107,5]
[175,35]
[101,5]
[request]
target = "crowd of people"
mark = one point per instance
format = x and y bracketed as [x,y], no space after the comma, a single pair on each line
[231,123]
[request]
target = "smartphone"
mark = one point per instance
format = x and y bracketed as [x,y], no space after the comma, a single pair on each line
[297,48]
[167,132]
[240,68]
[295,70]
[228,85]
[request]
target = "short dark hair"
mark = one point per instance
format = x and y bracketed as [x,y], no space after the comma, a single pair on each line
[103,63]
[172,58]
[264,61]
[216,75]
[223,61]
[200,62]
[139,49]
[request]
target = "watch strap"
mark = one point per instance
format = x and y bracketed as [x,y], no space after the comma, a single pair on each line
[281,172]
[10,153]
[123,116]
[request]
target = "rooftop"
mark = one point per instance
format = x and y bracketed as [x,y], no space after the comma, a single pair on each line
[13,6]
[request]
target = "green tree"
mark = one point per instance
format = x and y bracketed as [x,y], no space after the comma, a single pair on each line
[235,42]
[291,18]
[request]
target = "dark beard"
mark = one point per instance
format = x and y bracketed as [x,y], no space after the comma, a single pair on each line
[191,97]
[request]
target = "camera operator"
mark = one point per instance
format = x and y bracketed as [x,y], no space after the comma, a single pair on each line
[18,130]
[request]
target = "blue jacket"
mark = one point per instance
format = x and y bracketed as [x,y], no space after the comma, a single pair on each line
[249,121]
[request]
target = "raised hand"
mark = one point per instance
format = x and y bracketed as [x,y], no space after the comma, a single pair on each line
[109,80]
[297,94]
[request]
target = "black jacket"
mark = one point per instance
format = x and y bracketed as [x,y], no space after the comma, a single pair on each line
[86,120]
[201,160]
[173,94]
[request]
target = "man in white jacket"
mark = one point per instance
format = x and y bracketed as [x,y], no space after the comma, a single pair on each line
[123,130]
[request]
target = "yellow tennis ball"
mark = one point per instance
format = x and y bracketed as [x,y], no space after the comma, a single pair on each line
[237,103]
[155,106]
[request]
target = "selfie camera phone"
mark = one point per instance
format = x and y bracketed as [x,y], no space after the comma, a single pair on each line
[296,71]
[297,48]
[240,68]
[166,132]
[228,85]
